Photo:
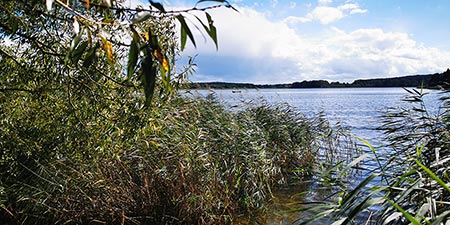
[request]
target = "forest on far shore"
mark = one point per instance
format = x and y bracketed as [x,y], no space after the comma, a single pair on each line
[436,80]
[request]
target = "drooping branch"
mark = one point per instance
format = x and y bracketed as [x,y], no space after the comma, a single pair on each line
[170,12]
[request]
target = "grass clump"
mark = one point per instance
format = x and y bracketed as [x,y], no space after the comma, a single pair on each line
[188,161]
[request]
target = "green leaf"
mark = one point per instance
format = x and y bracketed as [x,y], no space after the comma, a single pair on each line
[148,77]
[203,24]
[419,149]
[78,52]
[185,31]
[405,214]
[14,25]
[367,144]
[90,57]
[164,76]
[212,29]
[157,5]
[154,44]
[133,55]
[183,38]
[76,40]
[433,175]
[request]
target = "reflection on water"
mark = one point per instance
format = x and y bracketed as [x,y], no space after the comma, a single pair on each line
[356,109]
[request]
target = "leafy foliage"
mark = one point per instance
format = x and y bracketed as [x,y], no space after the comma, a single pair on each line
[99,40]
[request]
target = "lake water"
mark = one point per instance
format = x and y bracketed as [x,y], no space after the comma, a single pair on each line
[356,109]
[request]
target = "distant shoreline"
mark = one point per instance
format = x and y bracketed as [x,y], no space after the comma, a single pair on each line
[431,81]
[256,88]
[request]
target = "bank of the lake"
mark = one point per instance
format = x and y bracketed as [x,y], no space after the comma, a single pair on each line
[187,161]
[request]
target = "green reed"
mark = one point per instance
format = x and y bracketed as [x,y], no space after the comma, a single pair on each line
[187,161]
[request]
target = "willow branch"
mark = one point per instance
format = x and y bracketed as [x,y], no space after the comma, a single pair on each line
[170,12]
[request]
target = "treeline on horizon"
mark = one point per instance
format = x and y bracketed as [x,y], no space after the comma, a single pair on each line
[426,81]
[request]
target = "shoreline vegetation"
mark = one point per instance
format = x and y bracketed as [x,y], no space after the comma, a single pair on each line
[431,81]
[190,161]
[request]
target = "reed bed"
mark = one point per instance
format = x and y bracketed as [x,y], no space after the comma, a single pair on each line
[187,161]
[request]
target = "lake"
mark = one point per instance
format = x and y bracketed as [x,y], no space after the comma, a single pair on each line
[356,109]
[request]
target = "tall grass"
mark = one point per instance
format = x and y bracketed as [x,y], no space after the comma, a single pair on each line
[189,161]
[412,178]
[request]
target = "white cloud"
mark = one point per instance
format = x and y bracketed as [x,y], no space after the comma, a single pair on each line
[327,14]
[358,11]
[295,19]
[325,1]
[324,14]
[348,6]
[254,49]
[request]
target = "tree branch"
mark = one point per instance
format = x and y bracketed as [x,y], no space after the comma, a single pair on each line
[157,11]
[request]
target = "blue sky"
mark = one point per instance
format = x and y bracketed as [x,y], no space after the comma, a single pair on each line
[275,41]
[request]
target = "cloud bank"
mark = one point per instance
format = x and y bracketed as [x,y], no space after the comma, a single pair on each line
[254,49]
[326,14]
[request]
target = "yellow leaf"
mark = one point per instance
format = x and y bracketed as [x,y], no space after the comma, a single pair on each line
[162,59]
[165,64]
[107,46]
[88,4]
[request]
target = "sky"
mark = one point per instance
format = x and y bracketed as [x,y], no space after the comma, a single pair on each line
[275,41]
